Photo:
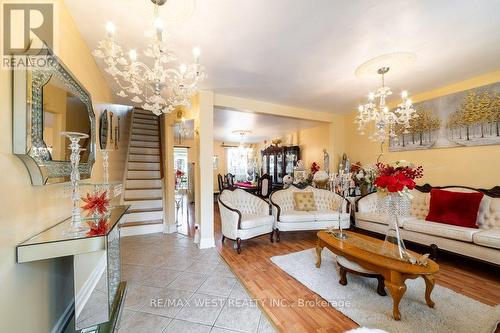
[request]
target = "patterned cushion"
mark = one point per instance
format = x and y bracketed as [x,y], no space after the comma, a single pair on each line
[304,201]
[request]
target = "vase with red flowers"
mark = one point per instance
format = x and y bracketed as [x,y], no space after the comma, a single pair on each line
[394,183]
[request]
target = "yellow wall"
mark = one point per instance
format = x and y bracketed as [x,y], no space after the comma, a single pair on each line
[471,166]
[312,141]
[34,295]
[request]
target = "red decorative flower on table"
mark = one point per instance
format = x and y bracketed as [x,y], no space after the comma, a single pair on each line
[179,173]
[314,168]
[96,203]
[399,177]
[98,229]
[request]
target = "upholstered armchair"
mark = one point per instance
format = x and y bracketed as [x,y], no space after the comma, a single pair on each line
[243,216]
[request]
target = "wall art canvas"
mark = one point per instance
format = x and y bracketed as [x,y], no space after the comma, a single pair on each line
[463,119]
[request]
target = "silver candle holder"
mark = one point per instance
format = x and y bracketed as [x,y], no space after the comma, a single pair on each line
[77,228]
[340,182]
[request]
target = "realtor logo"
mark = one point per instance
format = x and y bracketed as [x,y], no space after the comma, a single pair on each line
[27,31]
[27,26]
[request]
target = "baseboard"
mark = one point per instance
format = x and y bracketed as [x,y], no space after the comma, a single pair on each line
[141,230]
[206,243]
[170,228]
[88,287]
[63,321]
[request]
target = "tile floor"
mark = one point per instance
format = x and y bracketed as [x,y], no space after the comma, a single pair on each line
[172,286]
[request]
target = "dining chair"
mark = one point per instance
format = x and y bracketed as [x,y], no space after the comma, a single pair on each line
[229,180]
[220,182]
[264,183]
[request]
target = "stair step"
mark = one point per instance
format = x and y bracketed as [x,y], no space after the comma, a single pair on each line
[144,117]
[144,210]
[152,127]
[144,204]
[143,158]
[144,151]
[141,193]
[143,174]
[145,122]
[144,166]
[150,138]
[146,112]
[145,144]
[134,224]
[137,184]
[145,131]
[144,216]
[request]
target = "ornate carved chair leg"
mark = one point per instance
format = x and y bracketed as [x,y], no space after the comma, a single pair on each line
[380,286]
[277,235]
[343,276]
[238,245]
[272,235]
[434,251]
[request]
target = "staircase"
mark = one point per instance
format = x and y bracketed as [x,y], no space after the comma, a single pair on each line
[143,183]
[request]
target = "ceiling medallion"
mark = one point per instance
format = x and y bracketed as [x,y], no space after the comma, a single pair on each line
[161,83]
[387,122]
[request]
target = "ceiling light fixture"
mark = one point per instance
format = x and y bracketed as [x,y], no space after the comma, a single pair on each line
[161,83]
[386,121]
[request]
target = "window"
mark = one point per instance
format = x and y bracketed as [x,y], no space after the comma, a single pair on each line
[238,163]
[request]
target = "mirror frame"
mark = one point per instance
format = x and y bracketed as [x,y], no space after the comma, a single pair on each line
[103,119]
[28,143]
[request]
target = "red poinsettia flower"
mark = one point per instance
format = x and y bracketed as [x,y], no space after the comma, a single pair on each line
[98,229]
[96,203]
[397,178]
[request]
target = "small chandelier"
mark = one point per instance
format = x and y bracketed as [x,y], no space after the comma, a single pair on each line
[241,146]
[387,122]
[163,85]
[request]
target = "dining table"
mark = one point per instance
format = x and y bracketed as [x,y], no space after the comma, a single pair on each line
[247,186]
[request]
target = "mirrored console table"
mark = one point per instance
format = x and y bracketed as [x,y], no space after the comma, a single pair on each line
[98,288]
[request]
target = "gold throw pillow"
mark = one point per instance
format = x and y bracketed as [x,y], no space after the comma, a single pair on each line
[304,201]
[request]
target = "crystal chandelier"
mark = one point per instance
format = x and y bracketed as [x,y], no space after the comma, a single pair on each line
[387,122]
[161,83]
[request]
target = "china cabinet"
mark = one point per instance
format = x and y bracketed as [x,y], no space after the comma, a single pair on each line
[278,161]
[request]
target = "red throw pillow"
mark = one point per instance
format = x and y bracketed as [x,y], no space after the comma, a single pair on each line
[455,208]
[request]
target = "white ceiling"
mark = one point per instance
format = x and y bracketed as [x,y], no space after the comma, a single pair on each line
[262,126]
[304,53]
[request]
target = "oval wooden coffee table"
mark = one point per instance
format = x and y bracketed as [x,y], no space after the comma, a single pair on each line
[366,251]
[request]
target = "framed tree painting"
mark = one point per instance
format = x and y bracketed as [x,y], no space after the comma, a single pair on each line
[463,119]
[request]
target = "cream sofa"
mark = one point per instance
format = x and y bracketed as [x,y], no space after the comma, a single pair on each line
[244,216]
[482,243]
[326,215]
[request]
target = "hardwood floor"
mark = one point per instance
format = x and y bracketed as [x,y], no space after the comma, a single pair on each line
[266,282]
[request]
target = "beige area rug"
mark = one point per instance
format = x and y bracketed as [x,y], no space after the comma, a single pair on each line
[358,300]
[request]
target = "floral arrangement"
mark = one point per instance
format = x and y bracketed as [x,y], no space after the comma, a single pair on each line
[96,204]
[179,173]
[314,168]
[362,175]
[397,178]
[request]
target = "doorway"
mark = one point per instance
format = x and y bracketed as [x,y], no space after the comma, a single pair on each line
[183,179]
